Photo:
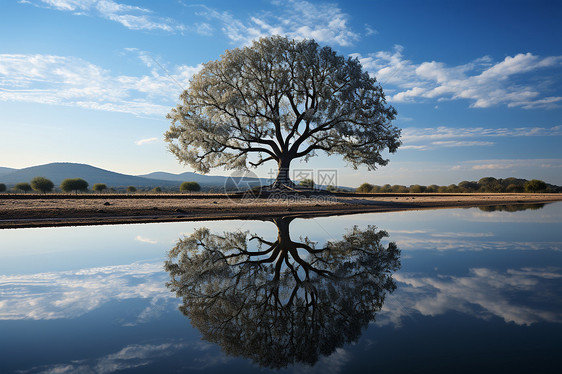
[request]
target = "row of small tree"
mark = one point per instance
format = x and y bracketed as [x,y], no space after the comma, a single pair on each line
[44,185]
[486,185]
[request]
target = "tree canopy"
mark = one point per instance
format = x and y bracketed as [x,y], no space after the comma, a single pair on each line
[281,302]
[99,187]
[308,183]
[535,185]
[22,186]
[279,100]
[42,184]
[74,184]
[487,185]
[190,186]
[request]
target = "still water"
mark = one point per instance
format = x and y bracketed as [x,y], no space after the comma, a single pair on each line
[456,290]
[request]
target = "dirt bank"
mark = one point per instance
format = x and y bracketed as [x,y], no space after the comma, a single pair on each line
[64,210]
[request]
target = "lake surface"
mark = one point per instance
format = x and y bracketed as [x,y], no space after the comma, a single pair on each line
[455,290]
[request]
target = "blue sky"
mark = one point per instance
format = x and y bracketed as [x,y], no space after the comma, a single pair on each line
[477,84]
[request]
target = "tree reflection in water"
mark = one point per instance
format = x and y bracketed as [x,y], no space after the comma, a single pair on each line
[281,302]
[512,208]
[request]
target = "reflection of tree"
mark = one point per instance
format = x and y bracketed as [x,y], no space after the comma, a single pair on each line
[281,302]
[512,208]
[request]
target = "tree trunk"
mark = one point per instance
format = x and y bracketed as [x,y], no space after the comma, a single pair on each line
[284,242]
[283,180]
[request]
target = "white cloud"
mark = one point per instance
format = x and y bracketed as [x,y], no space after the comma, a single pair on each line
[442,136]
[71,81]
[298,19]
[493,166]
[324,22]
[463,234]
[130,357]
[145,240]
[512,164]
[204,28]
[483,82]
[369,30]
[333,364]
[146,141]
[547,102]
[458,244]
[453,143]
[416,147]
[432,172]
[511,295]
[69,294]
[132,17]
[434,240]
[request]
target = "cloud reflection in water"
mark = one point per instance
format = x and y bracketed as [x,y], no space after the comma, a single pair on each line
[70,294]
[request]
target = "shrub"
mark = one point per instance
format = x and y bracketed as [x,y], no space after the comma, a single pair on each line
[23,186]
[490,184]
[386,188]
[514,188]
[399,188]
[74,184]
[416,188]
[2,187]
[454,188]
[42,184]
[468,186]
[131,189]
[157,190]
[307,183]
[535,185]
[513,182]
[432,188]
[99,187]
[190,186]
[364,188]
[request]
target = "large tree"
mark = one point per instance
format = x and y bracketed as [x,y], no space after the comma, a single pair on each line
[279,100]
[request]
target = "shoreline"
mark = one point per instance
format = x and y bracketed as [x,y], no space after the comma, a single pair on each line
[27,211]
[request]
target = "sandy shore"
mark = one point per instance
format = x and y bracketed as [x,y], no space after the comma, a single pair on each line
[59,210]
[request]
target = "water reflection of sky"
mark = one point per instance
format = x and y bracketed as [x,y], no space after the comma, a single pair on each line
[95,298]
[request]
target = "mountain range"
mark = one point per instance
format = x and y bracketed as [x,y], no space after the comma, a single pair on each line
[59,171]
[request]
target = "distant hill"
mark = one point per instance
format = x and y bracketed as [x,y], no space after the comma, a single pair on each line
[185,177]
[59,171]
[209,180]
[6,170]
